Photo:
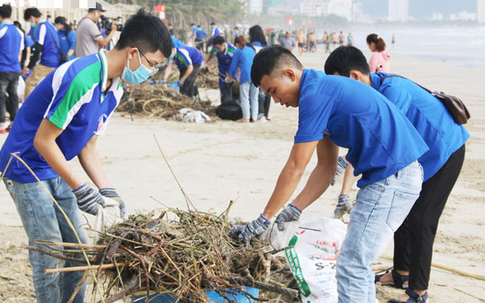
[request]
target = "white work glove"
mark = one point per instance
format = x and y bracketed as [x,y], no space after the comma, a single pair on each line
[244,233]
[88,199]
[343,206]
[290,213]
[341,166]
[112,194]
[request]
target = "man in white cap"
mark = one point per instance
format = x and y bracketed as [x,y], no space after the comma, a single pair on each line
[89,39]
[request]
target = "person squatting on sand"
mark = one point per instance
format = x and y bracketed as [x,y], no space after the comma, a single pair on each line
[61,119]
[383,147]
[413,241]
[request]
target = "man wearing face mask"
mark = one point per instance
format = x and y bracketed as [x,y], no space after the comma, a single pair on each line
[89,39]
[45,37]
[224,52]
[62,119]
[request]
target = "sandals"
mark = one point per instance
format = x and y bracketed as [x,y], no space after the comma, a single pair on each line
[413,298]
[398,280]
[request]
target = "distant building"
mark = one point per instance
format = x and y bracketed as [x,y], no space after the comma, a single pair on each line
[481,11]
[314,8]
[357,11]
[341,8]
[398,10]
[463,16]
[255,7]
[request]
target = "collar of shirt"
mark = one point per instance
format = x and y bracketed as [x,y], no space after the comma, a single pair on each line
[375,81]
[104,71]
[5,22]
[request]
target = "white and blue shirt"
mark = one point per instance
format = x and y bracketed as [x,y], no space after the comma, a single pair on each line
[188,55]
[73,99]
[224,60]
[215,32]
[380,139]
[46,35]
[428,115]
[11,43]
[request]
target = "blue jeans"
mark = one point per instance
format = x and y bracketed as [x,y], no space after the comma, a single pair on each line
[42,220]
[380,209]
[249,94]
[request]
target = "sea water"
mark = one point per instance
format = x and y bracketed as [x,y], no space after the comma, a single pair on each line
[459,45]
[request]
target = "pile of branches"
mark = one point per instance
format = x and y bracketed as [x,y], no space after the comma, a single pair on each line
[159,101]
[208,76]
[182,253]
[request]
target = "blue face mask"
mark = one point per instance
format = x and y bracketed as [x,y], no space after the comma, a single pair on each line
[140,75]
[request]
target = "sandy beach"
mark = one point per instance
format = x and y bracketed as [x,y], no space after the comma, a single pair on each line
[222,161]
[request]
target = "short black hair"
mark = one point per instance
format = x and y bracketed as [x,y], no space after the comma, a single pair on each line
[218,40]
[32,11]
[146,32]
[5,11]
[271,59]
[344,59]
[212,23]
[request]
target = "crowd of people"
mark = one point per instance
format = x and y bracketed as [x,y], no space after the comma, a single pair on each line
[401,140]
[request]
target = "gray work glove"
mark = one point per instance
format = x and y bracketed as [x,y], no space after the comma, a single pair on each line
[244,233]
[88,199]
[290,213]
[341,166]
[181,82]
[343,206]
[112,194]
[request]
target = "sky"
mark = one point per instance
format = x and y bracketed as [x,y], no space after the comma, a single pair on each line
[421,8]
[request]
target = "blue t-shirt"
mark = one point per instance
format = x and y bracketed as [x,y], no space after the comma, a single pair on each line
[71,98]
[46,35]
[243,58]
[176,42]
[11,43]
[67,42]
[428,115]
[224,60]
[380,139]
[215,32]
[187,56]
[201,35]
[28,41]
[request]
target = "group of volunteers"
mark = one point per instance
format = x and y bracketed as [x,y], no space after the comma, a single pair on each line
[45,47]
[401,140]
[234,64]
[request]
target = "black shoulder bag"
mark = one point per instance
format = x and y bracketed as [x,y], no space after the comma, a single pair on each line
[454,105]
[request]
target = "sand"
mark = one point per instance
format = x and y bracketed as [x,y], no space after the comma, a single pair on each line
[223,161]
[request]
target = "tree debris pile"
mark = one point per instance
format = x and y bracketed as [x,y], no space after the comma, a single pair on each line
[159,101]
[185,253]
[208,76]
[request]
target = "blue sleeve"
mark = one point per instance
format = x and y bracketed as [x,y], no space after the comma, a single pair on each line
[29,42]
[234,63]
[72,40]
[313,118]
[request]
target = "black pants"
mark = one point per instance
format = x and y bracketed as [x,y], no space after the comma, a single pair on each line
[267,103]
[189,88]
[413,241]
[8,85]
[226,92]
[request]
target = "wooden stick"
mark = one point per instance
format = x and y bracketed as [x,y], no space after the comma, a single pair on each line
[72,245]
[447,268]
[82,268]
